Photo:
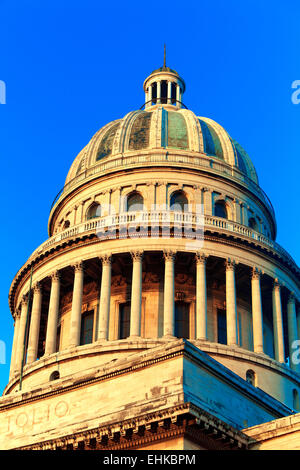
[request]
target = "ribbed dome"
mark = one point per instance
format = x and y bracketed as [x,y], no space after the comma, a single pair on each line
[162,127]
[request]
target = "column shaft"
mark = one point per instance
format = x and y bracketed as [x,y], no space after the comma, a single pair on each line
[292,331]
[277,324]
[169,92]
[34,329]
[231,309]
[21,337]
[257,315]
[158,92]
[150,95]
[15,345]
[178,96]
[51,335]
[104,304]
[169,295]
[75,327]
[136,294]
[201,297]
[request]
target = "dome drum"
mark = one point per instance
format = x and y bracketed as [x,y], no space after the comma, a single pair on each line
[160,235]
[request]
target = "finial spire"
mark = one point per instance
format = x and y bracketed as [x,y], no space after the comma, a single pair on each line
[164,56]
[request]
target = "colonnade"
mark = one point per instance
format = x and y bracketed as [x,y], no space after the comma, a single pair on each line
[149,95]
[20,332]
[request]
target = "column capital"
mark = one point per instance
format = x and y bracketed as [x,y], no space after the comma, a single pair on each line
[55,276]
[78,267]
[230,264]
[37,288]
[169,255]
[256,273]
[292,298]
[106,259]
[137,255]
[24,300]
[17,314]
[201,258]
[276,285]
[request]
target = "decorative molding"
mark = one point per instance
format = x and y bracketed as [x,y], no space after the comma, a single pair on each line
[182,420]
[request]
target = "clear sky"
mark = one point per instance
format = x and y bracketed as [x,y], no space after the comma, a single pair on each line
[72,66]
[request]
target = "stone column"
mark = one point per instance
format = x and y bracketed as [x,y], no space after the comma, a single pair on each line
[169,101]
[51,334]
[178,96]
[158,92]
[150,95]
[169,294]
[245,213]
[136,294]
[277,323]
[292,330]
[257,314]
[75,326]
[21,335]
[231,309]
[201,297]
[208,203]
[104,304]
[298,322]
[15,344]
[34,329]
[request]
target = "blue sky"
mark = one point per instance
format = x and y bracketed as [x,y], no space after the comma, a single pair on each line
[71,66]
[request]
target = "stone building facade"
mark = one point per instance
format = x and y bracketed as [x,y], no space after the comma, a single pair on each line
[161,313]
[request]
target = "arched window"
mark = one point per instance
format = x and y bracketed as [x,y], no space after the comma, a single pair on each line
[250,377]
[54,376]
[221,210]
[66,224]
[296,401]
[94,211]
[178,201]
[252,223]
[135,202]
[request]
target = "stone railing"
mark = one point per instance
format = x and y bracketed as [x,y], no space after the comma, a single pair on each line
[205,163]
[163,219]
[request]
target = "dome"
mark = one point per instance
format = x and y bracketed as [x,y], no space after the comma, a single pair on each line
[163,127]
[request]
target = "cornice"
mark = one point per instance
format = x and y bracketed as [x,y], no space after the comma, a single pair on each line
[182,420]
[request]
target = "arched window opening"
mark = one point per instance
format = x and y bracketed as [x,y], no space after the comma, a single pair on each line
[66,224]
[253,224]
[178,201]
[250,377]
[135,202]
[296,400]
[54,376]
[94,211]
[221,210]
